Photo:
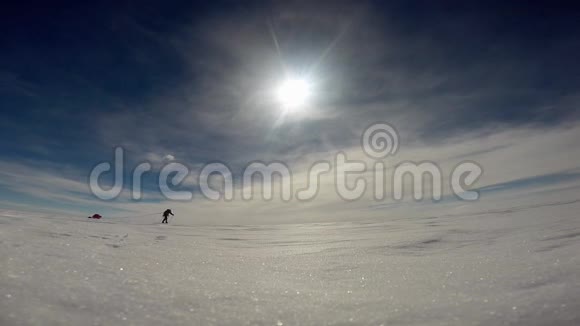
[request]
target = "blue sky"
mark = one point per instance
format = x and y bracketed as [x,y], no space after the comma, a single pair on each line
[191,80]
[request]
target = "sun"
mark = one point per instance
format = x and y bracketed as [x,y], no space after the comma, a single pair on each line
[293,94]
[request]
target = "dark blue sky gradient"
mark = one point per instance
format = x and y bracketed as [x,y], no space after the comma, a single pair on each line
[177,77]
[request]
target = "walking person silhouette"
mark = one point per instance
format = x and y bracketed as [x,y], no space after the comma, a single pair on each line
[166,215]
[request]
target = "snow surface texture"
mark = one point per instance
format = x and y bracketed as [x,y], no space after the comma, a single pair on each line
[518,266]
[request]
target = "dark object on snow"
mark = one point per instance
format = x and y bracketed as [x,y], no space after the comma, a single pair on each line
[97,216]
[165,215]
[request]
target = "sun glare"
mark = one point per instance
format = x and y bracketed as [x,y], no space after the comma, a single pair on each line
[293,94]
